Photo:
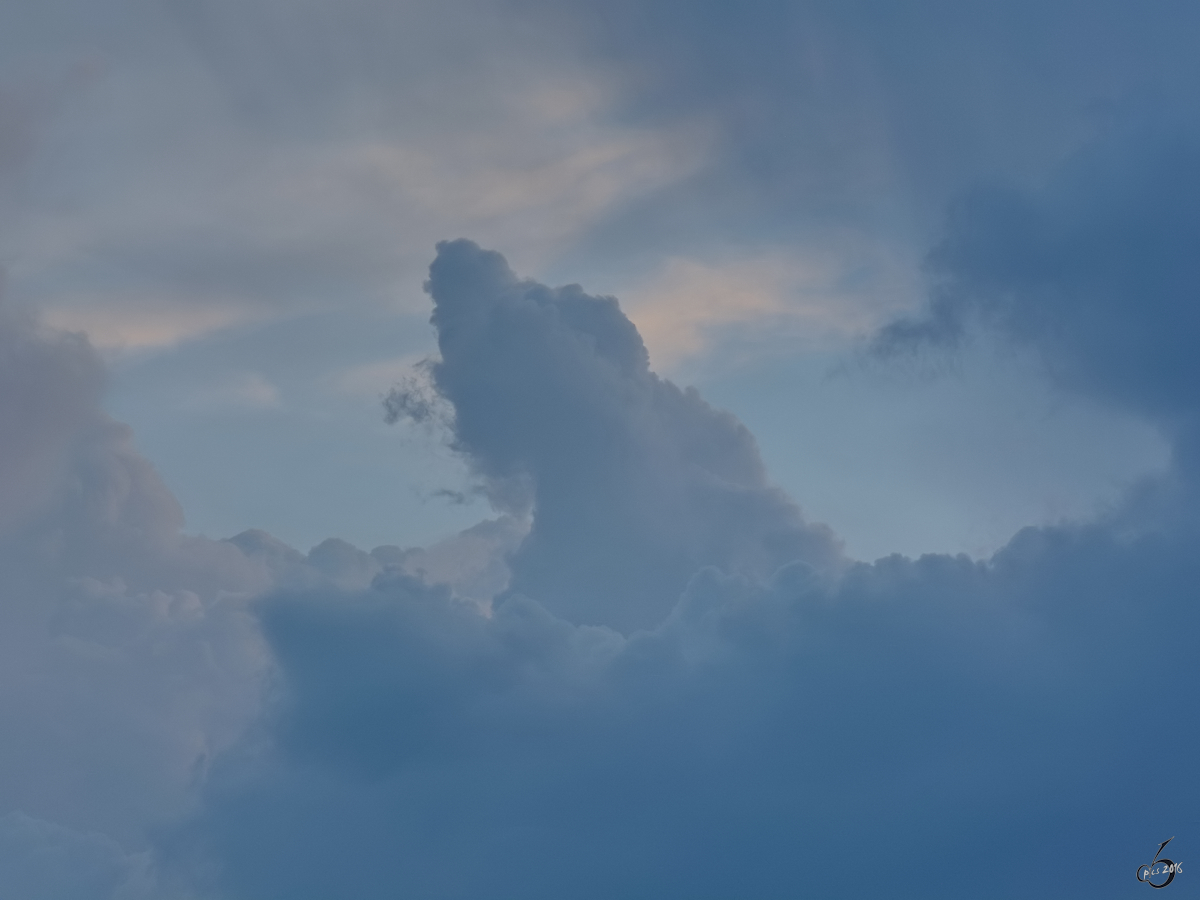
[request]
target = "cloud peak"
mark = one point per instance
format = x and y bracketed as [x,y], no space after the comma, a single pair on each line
[633,483]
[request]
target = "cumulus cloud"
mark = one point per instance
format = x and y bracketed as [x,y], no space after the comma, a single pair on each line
[129,656]
[1013,727]
[936,726]
[633,483]
[649,676]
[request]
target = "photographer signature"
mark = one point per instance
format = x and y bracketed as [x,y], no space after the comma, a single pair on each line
[1158,868]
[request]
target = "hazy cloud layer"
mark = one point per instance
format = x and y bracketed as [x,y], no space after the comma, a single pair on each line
[241,185]
[209,163]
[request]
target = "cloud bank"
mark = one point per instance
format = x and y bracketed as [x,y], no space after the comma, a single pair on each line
[768,726]
[130,656]
[648,675]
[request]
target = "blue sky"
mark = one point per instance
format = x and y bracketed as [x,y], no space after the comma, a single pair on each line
[792,455]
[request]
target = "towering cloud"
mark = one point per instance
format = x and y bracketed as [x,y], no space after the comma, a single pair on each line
[633,483]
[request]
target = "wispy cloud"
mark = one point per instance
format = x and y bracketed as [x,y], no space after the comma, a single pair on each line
[121,323]
[813,296]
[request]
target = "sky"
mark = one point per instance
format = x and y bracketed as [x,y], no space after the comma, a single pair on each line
[497,448]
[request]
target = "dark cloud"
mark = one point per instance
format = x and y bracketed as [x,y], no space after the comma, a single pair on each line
[940,727]
[1098,270]
[683,688]
[936,727]
[633,483]
[416,400]
[871,115]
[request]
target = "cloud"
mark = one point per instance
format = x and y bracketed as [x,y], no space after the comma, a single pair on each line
[201,170]
[130,658]
[633,483]
[681,687]
[230,193]
[473,563]
[830,109]
[1095,270]
[414,398]
[816,296]
[543,198]
[933,723]
[154,322]
[938,726]
[52,383]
